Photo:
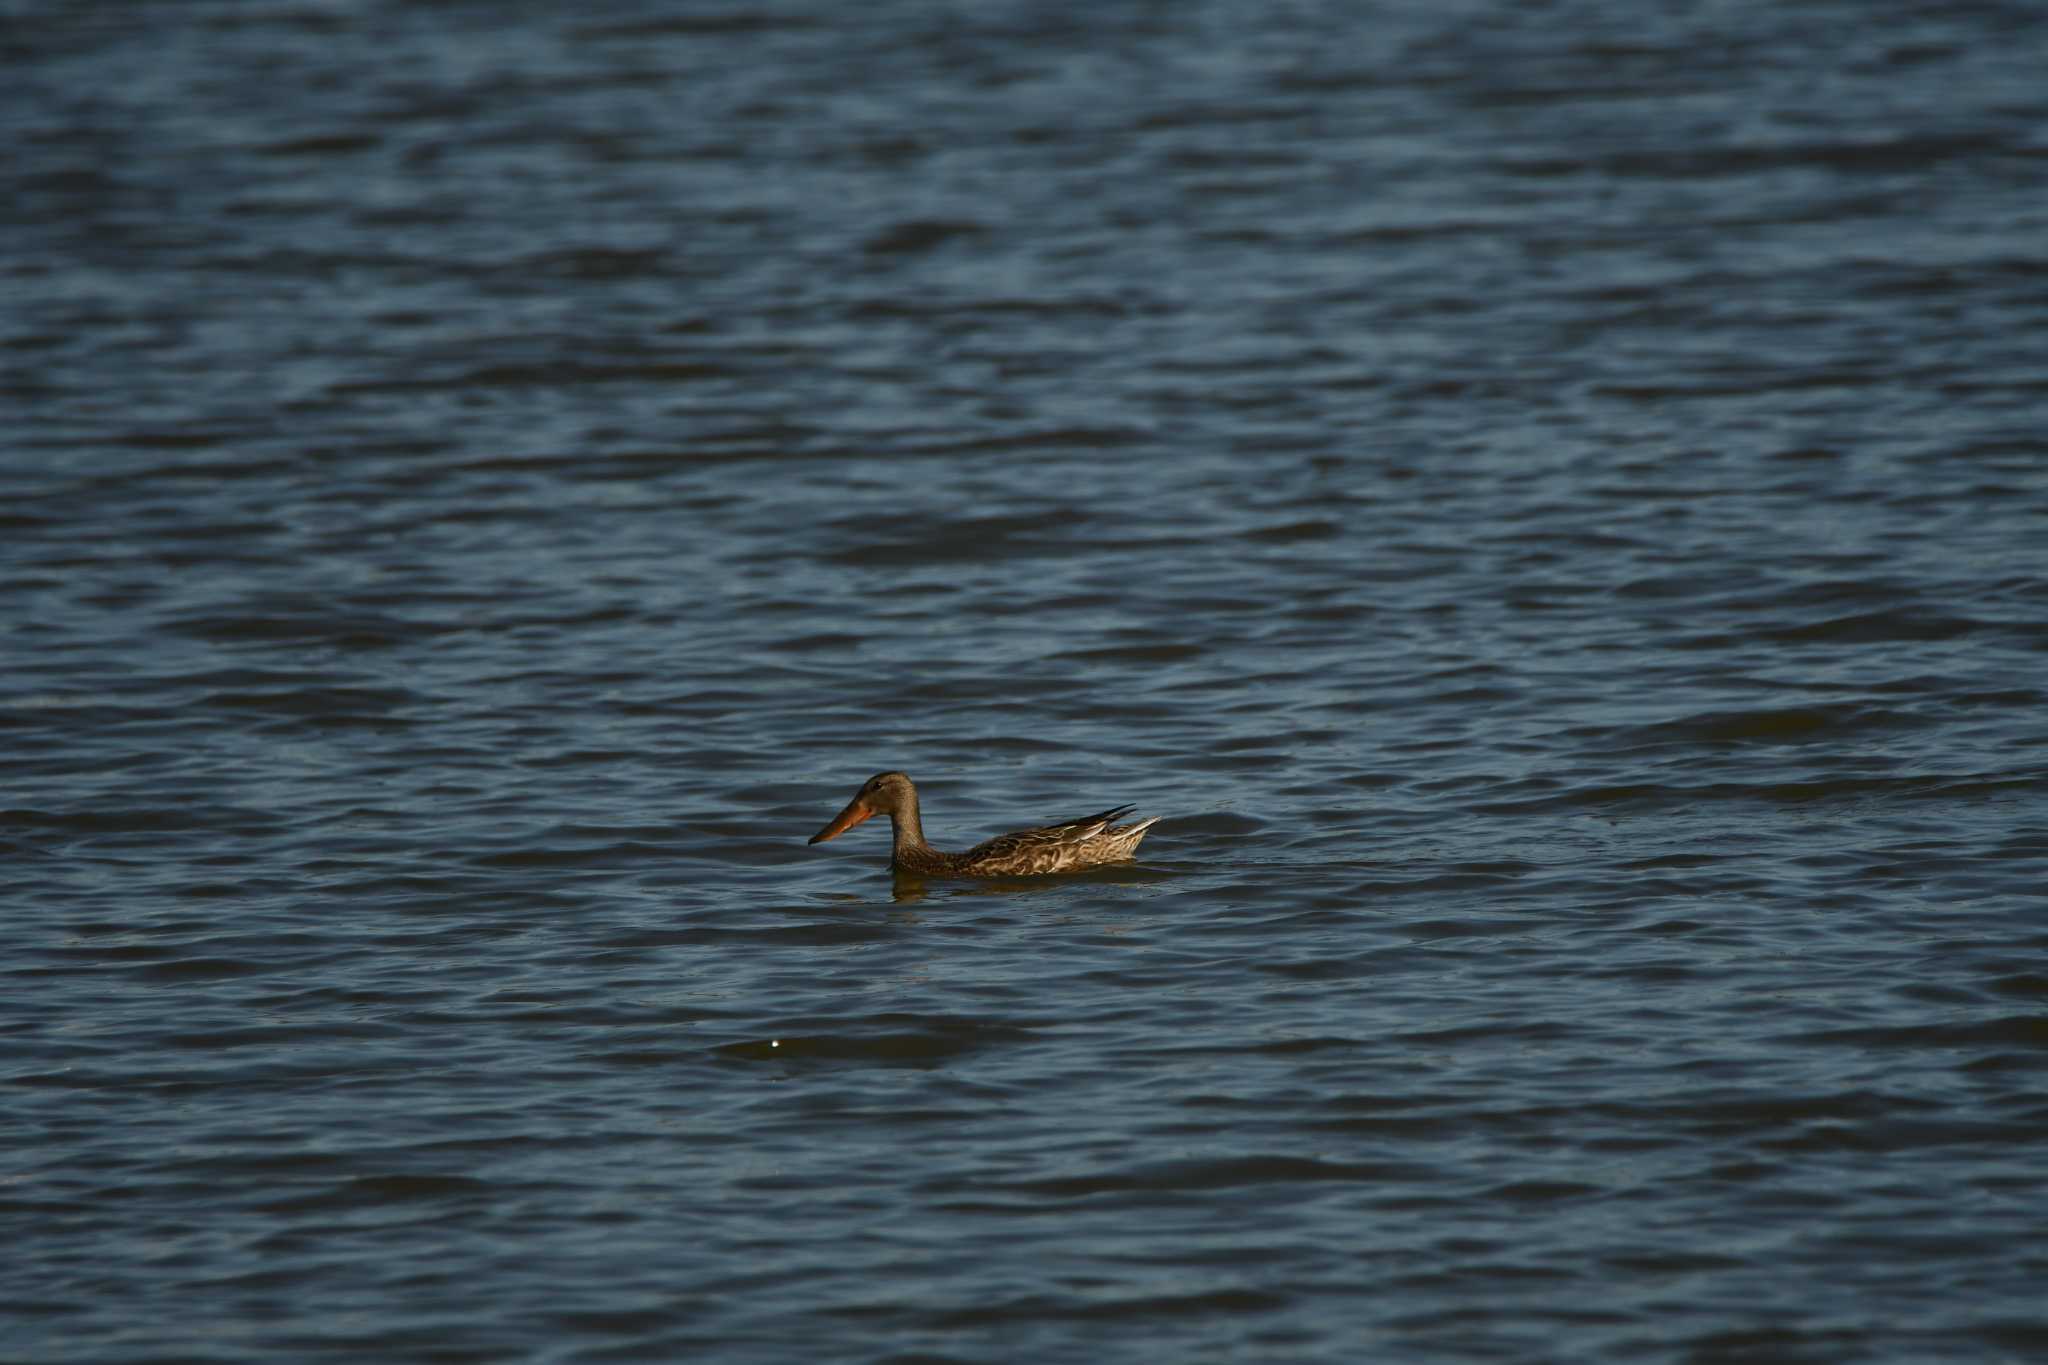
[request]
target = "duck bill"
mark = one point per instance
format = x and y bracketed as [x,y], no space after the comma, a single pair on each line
[854,813]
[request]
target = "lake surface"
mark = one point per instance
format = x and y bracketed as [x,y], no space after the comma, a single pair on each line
[1549,502]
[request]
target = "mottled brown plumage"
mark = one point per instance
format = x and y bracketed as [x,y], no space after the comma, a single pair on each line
[1087,842]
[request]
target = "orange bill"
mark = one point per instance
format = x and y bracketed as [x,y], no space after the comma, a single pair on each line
[854,813]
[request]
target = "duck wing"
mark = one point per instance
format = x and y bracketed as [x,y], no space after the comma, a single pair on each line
[1049,848]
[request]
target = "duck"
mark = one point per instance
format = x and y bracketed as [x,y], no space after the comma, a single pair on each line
[1067,846]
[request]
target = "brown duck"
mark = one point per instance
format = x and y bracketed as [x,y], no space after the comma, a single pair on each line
[1065,847]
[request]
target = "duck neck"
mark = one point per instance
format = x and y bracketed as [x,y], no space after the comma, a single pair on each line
[908,828]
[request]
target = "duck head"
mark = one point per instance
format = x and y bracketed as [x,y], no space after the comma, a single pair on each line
[883,794]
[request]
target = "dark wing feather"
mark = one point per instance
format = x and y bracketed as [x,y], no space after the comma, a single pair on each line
[1103,818]
[1005,844]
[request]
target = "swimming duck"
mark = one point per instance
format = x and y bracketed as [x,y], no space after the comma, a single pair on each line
[1089,841]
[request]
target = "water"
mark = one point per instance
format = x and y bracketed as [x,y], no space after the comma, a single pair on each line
[1549,502]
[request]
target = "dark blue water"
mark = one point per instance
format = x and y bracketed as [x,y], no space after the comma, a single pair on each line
[1550,503]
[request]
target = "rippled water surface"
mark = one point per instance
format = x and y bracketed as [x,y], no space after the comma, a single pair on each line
[1549,503]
